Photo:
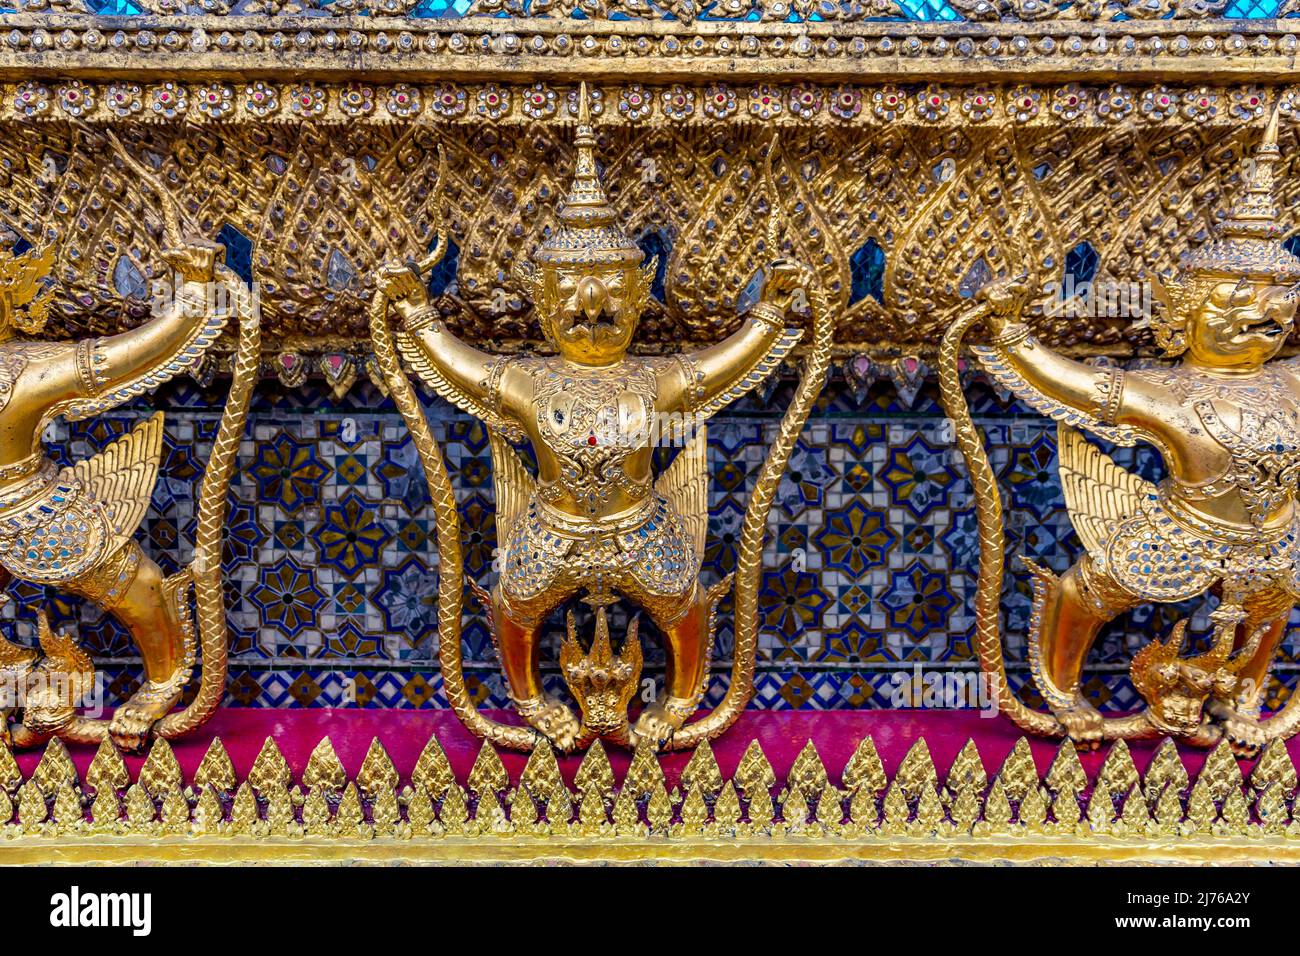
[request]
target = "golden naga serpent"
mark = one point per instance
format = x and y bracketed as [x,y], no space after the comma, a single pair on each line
[992,534]
[451,578]
[204,569]
[749,550]
[992,546]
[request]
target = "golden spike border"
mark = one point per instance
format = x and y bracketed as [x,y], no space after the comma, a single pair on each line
[426,813]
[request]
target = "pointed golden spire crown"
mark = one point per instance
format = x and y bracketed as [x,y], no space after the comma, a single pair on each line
[587,233]
[1247,242]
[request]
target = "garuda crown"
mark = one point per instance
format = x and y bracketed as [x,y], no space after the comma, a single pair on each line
[1246,246]
[588,233]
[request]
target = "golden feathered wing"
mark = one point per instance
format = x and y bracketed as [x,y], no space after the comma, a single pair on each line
[122,476]
[513,482]
[685,483]
[1099,494]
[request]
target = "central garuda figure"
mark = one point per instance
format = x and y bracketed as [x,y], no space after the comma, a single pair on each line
[1226,421]
[594,523]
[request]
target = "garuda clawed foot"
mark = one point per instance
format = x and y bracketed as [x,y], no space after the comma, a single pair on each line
[659,721]
[133,721]
[1243,730]
[553,719]
[1083,724]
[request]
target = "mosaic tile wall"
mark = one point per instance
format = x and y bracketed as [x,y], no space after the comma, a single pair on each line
[331,569]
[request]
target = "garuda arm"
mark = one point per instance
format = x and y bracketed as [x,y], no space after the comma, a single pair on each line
[471,379]
[474,381]
[1106,401]
[1116,407]
[102,373]
[717,375]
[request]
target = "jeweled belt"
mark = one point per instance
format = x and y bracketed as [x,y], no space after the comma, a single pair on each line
[23,467]
[1201,525]
[39,478]
[572,526]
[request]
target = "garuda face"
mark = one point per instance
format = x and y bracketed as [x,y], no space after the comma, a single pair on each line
[590,313]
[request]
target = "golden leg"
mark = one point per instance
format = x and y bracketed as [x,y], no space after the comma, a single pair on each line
[1075,609]
[1266,608]
[686,644]
[146,612]
[520,650]
[130,587]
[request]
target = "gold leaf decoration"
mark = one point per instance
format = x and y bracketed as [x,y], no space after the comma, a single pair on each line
[488,774]
[377,774]
[140,809]
[1221,774]
[808,773]
[269,769]
[1018,774]
[916,774]
[433,770]
[11,777]
[215,769]
[107,770]
[595,772]
[542,772]
[1118,771]
[55,769]
[1066,773]
[754,773]
[702,772]
[1166,771]
[865,769]
[324,770]
[161,772]
[1274,766]
[967,771]
[68,813]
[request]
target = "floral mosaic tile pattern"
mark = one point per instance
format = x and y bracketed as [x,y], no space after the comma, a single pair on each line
[332,572]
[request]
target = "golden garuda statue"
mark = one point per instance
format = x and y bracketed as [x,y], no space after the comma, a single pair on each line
[72,528]
[1226,421]
[595,522]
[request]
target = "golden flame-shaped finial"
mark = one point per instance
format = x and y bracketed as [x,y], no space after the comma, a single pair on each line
[587,233]
[586,203]
[1247,242]
[1255,213]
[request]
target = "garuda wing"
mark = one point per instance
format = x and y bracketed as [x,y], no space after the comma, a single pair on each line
[418,363]
[1099,494]
[514,484]
[685,484]
[122,476]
